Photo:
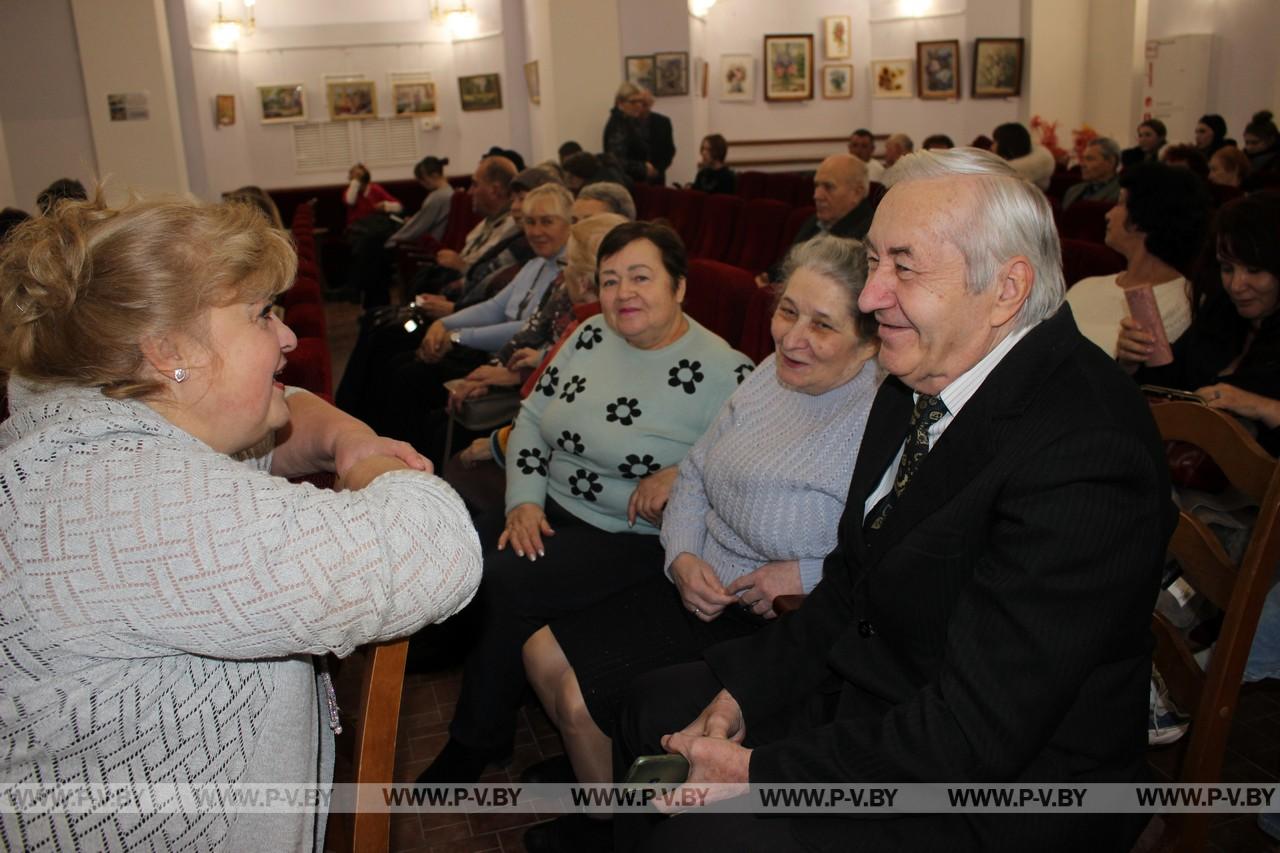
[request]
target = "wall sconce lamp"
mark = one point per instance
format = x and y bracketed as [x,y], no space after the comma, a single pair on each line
[461,23]
[227,31]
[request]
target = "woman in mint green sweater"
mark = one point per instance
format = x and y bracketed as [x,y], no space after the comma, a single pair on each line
[589,465]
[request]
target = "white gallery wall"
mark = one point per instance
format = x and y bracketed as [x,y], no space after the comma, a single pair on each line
[46,130]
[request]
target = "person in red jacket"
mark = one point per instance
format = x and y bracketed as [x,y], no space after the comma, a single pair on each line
[363,197]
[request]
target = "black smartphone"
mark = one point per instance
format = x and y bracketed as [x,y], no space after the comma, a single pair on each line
[670,769]
[1170,393]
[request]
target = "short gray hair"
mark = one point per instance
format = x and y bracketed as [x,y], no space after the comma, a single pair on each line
[614,195]
[1015,220]
[1109,147]
[843,261]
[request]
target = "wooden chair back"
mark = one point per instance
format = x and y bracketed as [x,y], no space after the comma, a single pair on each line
[368,829]
[1211,695]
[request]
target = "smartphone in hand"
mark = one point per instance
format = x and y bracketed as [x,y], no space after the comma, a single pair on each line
[672,769]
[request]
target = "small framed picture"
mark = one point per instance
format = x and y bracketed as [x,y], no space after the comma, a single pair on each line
[414,98]
[891,78]
[480,92]
[704,72]
[224,110]
[351,99]
[939,64]
[532,82]
[835,37]
[737,77]
[997,68]
[671,74]
[837,81]
[282,102]
[639,72]
[788,67]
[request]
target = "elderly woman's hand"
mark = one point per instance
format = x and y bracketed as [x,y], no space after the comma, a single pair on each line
[526,358]
[476,452]
[1246,404]
[758,589]
[435,344]
[494,374]
[451,259]
[353,445]
[650,496]
[464,391]
[700,590]
[526,525]
[1134,345]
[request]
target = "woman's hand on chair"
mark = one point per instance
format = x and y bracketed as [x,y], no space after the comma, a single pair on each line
[758,589]
[526,525]
[494,375]
[462,392]
[700,589]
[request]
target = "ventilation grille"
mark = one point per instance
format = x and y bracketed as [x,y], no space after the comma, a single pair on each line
[388,140]
[322,147]
[335,145]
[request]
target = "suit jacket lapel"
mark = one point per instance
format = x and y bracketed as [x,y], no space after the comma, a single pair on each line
[966,447]
[885,431]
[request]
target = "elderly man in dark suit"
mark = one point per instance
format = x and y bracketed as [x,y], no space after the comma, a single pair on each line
[985,616]
[841,206]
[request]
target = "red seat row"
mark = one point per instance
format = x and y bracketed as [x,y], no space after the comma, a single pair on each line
[309,365]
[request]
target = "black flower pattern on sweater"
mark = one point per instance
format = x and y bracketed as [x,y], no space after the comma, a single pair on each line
[637,466]
[686,374]
[742,371]
[585,485]
[571,442]
[624,411]
[547,381]
[573,386]
[588,338]
[531,461]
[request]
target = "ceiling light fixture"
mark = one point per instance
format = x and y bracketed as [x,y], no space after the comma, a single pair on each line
[461,23]
[228,31]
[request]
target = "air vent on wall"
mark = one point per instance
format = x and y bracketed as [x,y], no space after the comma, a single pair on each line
[322,146]
[388,140]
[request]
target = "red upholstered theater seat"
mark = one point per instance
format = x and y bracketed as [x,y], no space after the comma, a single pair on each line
[760,227]
[757,338]
[305,291]
[719,218]
[1222,194]
[684,212]
[462,218]
[1062,180]
[781,186]
[1085,220]
[660,201]
[644,195]
[875,192]
[1083,259]
[717,296]
[308,367]
[751,184]
[797,218]
[306,319]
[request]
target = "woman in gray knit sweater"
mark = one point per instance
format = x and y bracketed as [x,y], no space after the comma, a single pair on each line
[163,588]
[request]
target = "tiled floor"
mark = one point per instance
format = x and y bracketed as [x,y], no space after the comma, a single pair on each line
[1253,751]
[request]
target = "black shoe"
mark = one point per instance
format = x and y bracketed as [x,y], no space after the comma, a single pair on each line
[571,833]
[460,763]
[553,770]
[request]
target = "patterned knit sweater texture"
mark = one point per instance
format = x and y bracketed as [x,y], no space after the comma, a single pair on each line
[160,604]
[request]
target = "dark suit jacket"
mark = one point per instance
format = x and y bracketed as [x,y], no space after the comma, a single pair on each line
[997,627]
[662,144]
[853,224]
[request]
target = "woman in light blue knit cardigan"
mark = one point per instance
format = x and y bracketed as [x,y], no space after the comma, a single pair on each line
[751,517]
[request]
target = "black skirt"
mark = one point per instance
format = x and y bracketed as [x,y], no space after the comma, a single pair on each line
[641,629]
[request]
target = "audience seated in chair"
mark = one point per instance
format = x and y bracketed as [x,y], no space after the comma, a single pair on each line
[713,175]
[1030,160]
[1098,172]
[862,144]
[1151,138]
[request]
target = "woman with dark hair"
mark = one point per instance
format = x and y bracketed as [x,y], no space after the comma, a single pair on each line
[938,141]
[589,465]
[1230,354]
[1188,157]
[1033,162]
[713,175]
[1151,138]
[1262,145]
[364,198]
[433,217]
[1211,134]
[1158,226]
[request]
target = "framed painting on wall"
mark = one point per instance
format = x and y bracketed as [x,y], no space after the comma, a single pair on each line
[788,67]
[737,77]
[835,37]
[997,68]
[532,82]
[224,110]
[671,74]
[891,78]
[351,99]
[639,71]
[939,64]
[837,81]
[414,98]
[480,92]
[282,102]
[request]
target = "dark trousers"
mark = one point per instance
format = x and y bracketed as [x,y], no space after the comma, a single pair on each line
[382,337]
[582,566]
[369,269]
[406,398]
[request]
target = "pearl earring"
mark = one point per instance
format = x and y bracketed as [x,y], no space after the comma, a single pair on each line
[179,374]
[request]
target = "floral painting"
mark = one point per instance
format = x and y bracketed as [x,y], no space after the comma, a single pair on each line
[737,77]
[891,78]
[835,42]
[939,64]
[837,81]
[997,68]
[788,62]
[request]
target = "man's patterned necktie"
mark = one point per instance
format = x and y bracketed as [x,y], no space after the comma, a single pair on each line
[928,411]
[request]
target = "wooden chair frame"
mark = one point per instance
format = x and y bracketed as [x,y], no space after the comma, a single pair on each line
[1211,695]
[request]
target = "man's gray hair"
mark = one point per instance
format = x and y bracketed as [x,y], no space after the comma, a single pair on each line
[1009,217]
[614,195]
[1109,148]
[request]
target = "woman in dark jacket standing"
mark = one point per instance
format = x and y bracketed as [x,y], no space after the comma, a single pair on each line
[623,136]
